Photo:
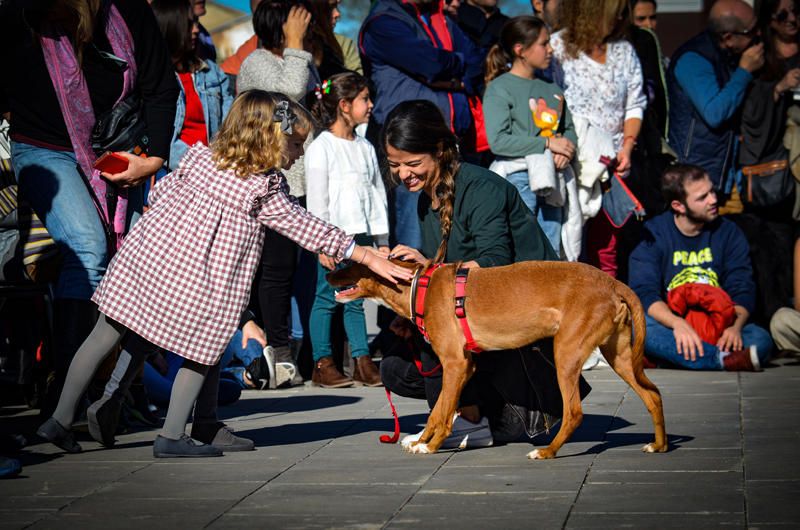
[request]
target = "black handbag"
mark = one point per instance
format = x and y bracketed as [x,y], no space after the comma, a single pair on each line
[768,183]
[122,128]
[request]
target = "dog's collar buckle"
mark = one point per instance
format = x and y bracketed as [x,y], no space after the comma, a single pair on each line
[419,286]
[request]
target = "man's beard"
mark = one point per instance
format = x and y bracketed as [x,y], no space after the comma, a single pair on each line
[700,218]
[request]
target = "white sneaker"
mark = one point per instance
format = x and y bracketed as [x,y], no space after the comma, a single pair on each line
[465,435]
[279,373]
[595,360]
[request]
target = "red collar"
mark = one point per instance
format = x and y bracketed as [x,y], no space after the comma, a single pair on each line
[419,288]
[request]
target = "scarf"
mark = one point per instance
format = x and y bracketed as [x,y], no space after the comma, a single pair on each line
[76,107]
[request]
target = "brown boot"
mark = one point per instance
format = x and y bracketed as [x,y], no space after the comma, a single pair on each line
[365,372]
[327,375]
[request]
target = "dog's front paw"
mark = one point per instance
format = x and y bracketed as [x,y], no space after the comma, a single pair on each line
[408,440]
[540,454]
[419,449]
[653,448]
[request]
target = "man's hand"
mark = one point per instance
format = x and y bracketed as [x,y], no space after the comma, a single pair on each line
[251,330]
[687,340]
[730,340]
[752,58]
[789,82]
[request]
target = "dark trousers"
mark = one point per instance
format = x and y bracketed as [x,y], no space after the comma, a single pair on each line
[278,264]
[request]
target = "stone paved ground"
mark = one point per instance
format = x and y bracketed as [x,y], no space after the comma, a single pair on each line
[733,462]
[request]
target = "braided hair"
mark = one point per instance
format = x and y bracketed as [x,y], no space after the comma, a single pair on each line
[418,127]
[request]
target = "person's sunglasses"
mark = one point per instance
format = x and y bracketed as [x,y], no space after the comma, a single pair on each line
[783,15]
[752,32]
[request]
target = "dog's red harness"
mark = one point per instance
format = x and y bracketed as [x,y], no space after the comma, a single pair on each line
[419,288]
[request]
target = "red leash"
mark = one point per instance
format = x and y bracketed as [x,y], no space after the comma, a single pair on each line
[393,438]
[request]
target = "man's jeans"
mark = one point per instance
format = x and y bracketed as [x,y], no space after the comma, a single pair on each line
[49,180]
[660,343]
[549,217]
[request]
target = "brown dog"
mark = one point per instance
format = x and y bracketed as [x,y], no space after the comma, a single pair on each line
[509,307]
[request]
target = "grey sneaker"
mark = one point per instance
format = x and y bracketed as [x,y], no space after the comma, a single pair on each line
[183,447]
[57,434]
[228,442]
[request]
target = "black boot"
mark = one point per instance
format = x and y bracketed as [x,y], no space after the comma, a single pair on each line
[73,320]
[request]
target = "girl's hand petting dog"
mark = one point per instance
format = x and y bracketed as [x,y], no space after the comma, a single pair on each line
[381,266]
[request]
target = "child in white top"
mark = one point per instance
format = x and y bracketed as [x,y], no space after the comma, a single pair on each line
[344,187]
[182,278]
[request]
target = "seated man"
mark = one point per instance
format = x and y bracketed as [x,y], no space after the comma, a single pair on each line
[785,323]
[691,246]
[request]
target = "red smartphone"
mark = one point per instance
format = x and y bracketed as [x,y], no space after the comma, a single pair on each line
[111,163]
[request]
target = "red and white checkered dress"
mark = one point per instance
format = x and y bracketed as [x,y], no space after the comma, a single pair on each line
[182,277]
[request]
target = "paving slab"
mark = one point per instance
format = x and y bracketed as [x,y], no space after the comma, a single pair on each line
[732,462]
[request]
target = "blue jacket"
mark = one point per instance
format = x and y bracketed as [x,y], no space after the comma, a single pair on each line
[400,58]
[705,95]
[211,84]
[666,259]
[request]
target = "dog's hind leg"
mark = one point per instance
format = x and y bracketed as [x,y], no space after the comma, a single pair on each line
[457,368]
[629,367]
[568,367]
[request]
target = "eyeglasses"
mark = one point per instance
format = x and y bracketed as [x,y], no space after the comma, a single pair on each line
[651,18]
[752,32]
[783,15]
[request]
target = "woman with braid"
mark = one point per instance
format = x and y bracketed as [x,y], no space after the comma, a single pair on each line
[468,214]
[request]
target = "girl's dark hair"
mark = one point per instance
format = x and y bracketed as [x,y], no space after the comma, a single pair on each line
[268,21]
[340,87]
[418,127]
[774,67]
[523,30]
[322,29]
[174,19]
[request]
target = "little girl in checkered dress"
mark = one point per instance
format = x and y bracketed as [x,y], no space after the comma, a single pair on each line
[182,278]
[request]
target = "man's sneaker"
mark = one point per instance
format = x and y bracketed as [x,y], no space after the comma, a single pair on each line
[183,447]
[103,418]
[595,360]
[745,360]
[221,436]
[465,435]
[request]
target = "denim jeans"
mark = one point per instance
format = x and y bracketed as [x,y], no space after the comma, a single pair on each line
[406,221]
[49,180]
[550,217]
[355,324]
[660,343]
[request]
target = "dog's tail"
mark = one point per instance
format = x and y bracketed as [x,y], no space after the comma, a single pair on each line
[636,312]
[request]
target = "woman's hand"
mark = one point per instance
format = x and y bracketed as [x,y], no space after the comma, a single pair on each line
[380,265]
[560,161]
[624,157]
[789,82]
[253,331]
[139,170]
[407,254]
[561,146]
[295,27]
[327,262]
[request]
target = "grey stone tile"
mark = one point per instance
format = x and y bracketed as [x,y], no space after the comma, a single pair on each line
[656,498]
[773,502]
[662,521]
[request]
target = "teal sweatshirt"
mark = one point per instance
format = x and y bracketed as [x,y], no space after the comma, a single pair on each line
[510,126]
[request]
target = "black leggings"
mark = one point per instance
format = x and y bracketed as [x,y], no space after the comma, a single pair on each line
[278,265]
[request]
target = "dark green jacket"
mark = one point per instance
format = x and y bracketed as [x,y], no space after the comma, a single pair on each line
[491,224]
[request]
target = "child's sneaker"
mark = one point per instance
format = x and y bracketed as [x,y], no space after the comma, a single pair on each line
[745,360]
[264,372]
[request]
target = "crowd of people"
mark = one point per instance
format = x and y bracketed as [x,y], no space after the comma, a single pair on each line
[447,131]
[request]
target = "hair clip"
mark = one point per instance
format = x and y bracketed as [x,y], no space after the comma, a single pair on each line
[318,92]
[284,116]
[326,86]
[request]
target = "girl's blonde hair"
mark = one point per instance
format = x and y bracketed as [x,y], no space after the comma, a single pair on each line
[250,140]
[589,23]
[525,30]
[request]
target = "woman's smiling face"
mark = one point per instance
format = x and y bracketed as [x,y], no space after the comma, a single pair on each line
[415,170]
